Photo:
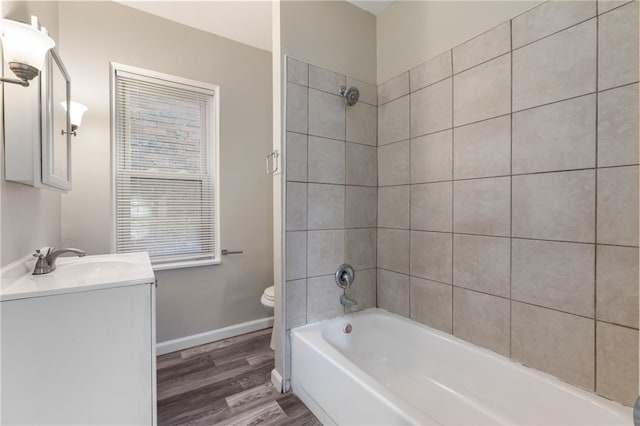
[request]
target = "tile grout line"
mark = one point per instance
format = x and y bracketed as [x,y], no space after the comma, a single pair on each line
[511,193]
[306,255]
[507,298]
[410,191]
[344,199]
[595,216]
[452,188]
[481,236]
[557,101]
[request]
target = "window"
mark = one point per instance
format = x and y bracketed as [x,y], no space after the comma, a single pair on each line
[165,149]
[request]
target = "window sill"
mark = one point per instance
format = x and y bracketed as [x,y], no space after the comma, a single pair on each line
[187,264]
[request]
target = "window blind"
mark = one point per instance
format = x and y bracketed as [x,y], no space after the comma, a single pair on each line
[165,188]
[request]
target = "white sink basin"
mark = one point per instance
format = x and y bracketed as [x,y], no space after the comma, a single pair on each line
[74,274]
[89,268]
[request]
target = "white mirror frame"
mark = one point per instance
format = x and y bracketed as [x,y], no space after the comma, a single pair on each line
[48,126]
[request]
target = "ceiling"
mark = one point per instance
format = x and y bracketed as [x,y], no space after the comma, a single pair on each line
[245,21]
[373,6]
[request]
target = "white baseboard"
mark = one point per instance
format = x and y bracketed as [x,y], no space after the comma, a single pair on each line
[276,380]
[212,336]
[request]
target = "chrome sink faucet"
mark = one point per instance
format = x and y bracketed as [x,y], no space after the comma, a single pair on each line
[47,262]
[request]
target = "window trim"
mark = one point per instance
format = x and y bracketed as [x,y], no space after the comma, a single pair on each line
[214,160]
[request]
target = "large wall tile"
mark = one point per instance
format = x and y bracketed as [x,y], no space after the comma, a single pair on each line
[360,248]
[557,67]
[431,206]
[393,250]
[393,207]
[361,207]
[482,263]
[607,5]
[326,160]
[326,206]
[486,46]
[362,123]
[394,164]
[296,303]
[431,157]
[297,108]
[296,262]
[368,91]
[482,92]
[393,121]
[363,289]
[323,298]
[393,292]
[617,362]
[362,165]
[296,157]
[558,343]
[325,252]
[555,206]
[618,206]
[482,206]
[432,71]
[618,126]
[393,89]
[297,72]
[481,319]
[560,136]
[482,149]
[296,211]
[554,275]
[431,108]
[617,285]
[431,303]
[618,47]
[326,115]
[325,80]
[549,18]
[431,255]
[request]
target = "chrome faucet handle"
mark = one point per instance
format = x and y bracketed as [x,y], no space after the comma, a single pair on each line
[42,265]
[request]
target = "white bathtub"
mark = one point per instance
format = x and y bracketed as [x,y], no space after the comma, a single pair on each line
[391,370]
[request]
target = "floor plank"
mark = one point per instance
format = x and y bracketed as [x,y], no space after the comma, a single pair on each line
[227,383]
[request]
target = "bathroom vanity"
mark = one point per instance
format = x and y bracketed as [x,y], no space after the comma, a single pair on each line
[78,344]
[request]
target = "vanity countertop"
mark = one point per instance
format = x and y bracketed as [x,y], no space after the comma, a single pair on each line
[75,274]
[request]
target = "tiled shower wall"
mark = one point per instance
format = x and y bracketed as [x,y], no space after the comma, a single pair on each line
[508,193]
[331,192]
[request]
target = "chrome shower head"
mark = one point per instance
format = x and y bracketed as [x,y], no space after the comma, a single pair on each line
[350,95]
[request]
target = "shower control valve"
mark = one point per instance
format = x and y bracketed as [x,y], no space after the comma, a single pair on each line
[345,276]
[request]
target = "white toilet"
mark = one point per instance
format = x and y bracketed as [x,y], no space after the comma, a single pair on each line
[268,299]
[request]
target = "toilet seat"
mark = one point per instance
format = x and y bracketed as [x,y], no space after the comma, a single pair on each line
[268,297]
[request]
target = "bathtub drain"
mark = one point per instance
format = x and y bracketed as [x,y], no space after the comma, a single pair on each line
[347,328]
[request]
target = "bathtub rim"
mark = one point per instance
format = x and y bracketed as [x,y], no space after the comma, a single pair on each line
[393,402]
[317,329]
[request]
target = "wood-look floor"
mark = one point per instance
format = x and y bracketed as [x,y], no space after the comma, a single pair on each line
[226,382]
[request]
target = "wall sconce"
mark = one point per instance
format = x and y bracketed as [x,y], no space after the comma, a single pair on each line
[75,115]
[25,48]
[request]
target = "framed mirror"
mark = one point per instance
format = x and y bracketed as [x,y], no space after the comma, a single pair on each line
[56,123]
[37,137]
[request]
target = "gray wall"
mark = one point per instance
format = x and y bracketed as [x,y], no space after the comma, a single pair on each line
[508,193]
[30,216]
[332,34]
[191,300]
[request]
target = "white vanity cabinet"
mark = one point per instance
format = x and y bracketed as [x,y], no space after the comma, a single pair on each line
[82,355]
